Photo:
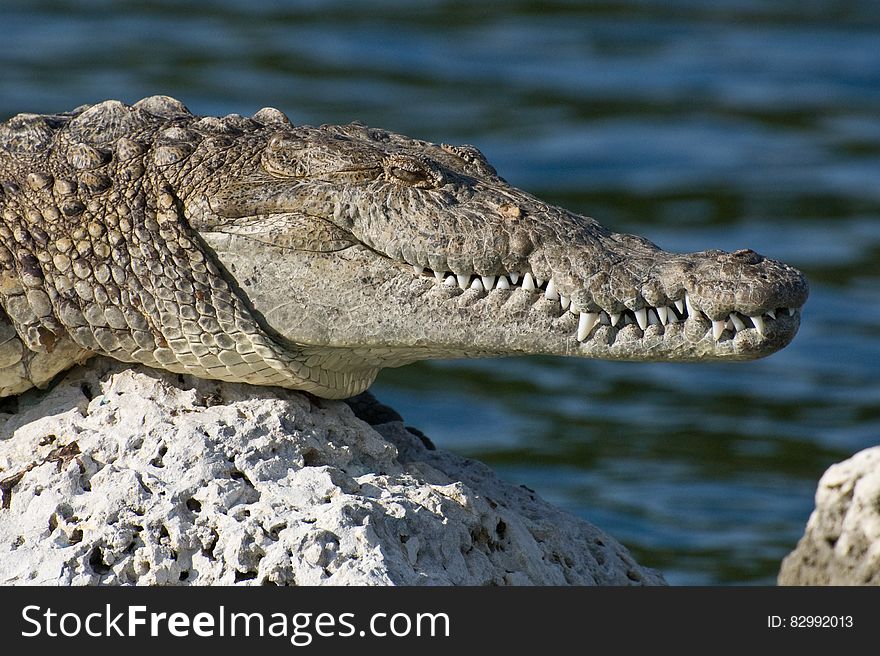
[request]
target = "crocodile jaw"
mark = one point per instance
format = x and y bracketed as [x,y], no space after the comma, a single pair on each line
[372,311]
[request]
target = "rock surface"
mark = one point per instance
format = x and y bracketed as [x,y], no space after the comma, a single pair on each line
[841,544]
[124,475]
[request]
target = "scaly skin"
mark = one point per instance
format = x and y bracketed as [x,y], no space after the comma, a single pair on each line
[252,250]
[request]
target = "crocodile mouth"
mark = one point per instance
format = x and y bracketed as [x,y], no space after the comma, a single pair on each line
[590,320]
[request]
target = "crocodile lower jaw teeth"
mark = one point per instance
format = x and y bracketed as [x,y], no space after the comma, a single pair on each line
[668,315]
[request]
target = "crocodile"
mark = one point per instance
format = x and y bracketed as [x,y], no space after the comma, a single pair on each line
[251,249]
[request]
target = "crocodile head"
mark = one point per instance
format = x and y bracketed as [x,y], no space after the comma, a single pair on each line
[361,249]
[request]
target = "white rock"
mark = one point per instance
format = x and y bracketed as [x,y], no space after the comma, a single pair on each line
[134,476]
[841,544]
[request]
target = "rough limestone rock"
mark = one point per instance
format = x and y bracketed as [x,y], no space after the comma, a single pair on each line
[841,545]
[134,476]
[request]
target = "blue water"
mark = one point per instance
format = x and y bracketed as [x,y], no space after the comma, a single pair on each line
[721,124]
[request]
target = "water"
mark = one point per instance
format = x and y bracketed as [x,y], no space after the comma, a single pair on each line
[723,124]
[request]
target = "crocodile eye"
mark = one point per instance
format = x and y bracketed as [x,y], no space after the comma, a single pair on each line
[409,176]
[413,172]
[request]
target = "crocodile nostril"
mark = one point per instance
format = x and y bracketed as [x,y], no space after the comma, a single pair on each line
[747,256]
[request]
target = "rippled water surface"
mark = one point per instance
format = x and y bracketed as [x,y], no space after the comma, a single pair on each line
[696,124]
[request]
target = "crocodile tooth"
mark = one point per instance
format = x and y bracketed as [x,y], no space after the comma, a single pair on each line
[717,329]
[771,313]
[692,311]
[642,318]
[438,276]
[417,270]
[663,314]
[528,282]
[477,284]
[759,324]
[672,317]
[539,282]
[450,281]
[737,322]
[564,301]
[653,319]
[550,292]
[680,305]
[488,282]
[615,318]
[502,283]
[791,311]
[463,280]
[585,324]
[514,278]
